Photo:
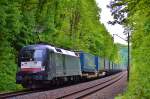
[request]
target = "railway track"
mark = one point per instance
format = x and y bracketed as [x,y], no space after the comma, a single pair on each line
[90,90]
[71,92]
[17,93]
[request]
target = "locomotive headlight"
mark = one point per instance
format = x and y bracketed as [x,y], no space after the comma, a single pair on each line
[43,68]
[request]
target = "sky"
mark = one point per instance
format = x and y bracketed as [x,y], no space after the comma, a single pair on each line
[105,16]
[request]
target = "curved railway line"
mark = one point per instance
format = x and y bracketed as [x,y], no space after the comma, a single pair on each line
[17,93]
[90,90]
[79,91]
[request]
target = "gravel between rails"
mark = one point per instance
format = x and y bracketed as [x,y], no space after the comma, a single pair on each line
[67,91]
[111,91]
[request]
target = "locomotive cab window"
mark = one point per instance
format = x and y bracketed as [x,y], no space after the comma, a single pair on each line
[33,55]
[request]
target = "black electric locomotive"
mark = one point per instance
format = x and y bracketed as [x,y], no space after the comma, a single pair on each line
[41,64]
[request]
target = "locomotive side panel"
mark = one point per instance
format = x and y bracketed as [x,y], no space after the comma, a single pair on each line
[59,61]
[67,65]
[72,65]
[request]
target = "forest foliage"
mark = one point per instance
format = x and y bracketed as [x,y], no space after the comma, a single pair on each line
[69,24]
[138,19]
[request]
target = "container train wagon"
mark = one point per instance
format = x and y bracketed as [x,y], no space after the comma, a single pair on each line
[42,64]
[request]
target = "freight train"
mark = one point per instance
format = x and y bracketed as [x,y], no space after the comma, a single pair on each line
[43,64]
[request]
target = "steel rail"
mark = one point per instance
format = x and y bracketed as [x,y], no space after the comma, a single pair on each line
[17,93]
[84,92]
[74,91]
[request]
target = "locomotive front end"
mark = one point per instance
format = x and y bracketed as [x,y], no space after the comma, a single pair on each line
[32,66]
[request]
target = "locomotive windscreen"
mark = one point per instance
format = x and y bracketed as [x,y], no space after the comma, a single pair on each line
[32,55]
[32,60]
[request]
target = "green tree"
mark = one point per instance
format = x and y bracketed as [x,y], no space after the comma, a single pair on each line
[139,20]
[69,24]
[9,26]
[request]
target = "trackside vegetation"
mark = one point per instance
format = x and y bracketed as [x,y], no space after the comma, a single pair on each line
[69,24]
[138,20]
